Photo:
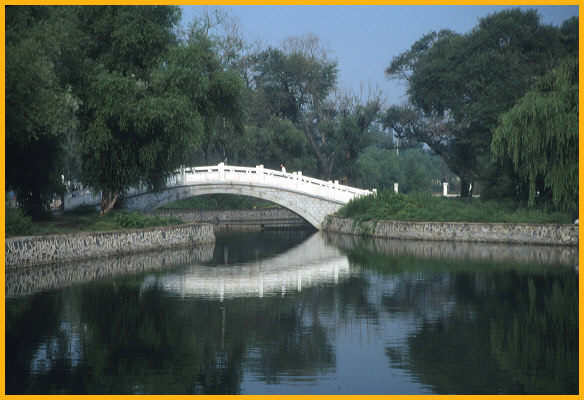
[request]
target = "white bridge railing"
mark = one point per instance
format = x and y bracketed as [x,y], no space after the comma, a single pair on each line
[260,175]
[331,190]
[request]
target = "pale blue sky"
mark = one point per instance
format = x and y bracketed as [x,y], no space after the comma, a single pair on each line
[365,38]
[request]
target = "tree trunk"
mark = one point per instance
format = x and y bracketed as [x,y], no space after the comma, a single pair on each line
[329,168]
[465,188]
[206,153]
[108,201]
[324,166]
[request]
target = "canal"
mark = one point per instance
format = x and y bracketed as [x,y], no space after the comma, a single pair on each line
[298,313]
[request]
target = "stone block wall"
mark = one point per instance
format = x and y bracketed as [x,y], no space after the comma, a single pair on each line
[548,234]
[265,216]
[38,250]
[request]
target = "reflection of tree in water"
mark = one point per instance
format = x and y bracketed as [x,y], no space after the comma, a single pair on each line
[145,342]
[28,321]
[542,336]
[485,327]
[208,339]
[291,347]
[482,327]
[511,333]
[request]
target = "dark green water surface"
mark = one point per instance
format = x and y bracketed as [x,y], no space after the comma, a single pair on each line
[299,313]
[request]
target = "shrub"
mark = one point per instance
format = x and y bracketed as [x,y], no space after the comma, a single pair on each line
[136,220]
[423,207]
[18,224]
[129,220]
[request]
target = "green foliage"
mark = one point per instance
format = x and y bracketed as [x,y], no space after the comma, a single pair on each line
[220,102]
[423,207]
[134,220]
[121,219]
[295,83]
[116,97]
[81,219]
[540,136]
[459,85]
[39,106]
[414,169]
[140,126]
[17,223]
[350,130]
[148,101]
[276,142]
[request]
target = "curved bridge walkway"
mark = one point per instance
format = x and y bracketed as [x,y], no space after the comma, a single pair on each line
[310,198]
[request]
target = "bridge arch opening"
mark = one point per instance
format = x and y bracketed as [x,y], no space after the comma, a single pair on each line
[257,207]
[231,209]
[219,201]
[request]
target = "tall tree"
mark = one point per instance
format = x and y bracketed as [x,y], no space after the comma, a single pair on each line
[410,126]
[350,128]
[218,37]
[540,136]
[272,143]
[461,84]
[147,99]
[39,106]
[296,82]
[129,131]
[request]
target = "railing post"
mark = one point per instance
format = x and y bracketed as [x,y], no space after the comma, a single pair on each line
[221,171]
[445,189]
[260,173]
[396,187]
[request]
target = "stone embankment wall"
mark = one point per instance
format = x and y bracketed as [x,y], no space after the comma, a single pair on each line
[242,219]
[540,234]
[38,250]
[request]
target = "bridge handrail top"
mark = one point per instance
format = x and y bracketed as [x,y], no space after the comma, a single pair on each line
[288,175]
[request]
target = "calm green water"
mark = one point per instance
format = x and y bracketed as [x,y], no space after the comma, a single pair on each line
[299,313]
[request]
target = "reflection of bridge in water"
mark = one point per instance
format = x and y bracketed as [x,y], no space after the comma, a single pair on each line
[311,263]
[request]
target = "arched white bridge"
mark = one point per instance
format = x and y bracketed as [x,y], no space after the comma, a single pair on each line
[312,199]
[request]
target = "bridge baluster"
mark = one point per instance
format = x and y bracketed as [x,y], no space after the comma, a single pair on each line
[221,171]
[260,173]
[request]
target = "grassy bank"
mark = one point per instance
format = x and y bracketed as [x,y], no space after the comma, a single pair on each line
[388,205]
[86,218]
[83,219]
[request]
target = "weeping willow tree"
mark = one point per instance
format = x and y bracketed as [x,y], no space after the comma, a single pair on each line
[540,136]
